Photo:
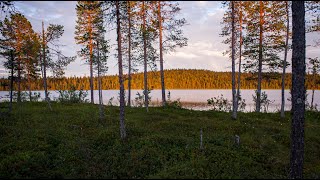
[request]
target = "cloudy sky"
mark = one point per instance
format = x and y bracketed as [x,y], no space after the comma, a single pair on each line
[204,50]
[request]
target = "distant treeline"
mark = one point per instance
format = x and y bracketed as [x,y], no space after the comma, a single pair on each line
[174,79]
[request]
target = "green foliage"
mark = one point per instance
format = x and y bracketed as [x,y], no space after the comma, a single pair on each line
[110,101]
[72,96]
[170,103]
[35,96]
[223,104]
[139,100]
[25,96]
[264,101]
[69,142]
[241,103]
[220,104]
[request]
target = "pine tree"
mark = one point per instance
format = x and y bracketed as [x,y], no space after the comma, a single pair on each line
[50,36]
[16,33]
[123,134]
[298,89]
[265,24]
[146,21]
[284,62]
[88,28]
[234,112]
[232,21]
[168,23]
[314,64]
[31,51]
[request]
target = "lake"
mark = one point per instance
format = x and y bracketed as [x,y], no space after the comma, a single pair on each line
[195,99]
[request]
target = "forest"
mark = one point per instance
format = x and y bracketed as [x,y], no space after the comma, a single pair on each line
[175,79]
[70,137]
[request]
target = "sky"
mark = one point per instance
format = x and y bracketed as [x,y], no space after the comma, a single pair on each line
[204,51]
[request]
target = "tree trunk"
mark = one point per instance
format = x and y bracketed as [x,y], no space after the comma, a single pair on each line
[298,89]
[11,80]
[101,113]
[312,97]
[44,67]
[146,101]
[19,80]
[29,82]
[122,113]
[91,70]
[284,64]
[240,54]
[161,56]
[29,88]
[313,85]
[129,54]
[260,59]
[234,102]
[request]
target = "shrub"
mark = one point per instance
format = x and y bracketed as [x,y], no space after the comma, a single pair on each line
[264,101]
[220,103]
[72,95]
[174,104]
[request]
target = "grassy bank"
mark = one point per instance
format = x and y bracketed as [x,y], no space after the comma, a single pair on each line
[70,142]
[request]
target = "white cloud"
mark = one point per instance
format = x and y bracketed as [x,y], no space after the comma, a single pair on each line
[185,55]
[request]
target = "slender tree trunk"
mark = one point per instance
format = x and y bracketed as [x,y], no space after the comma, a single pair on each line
[99,87]
[129,54]
[29,88]
[240,54]
[122,103]
[11,80]
[284,64]
[234,102]
[146,100]
[312,97]
[29,82]
[298,89]
[44,67]
[91,70]
[313,85]
[260,59]
[19,80]
[161,55]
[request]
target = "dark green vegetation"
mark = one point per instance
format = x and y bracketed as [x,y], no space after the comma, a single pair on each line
[70,142]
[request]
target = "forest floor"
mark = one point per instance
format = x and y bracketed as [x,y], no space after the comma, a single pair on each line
[71,142]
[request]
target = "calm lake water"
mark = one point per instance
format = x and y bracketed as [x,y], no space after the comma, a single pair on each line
[192,99]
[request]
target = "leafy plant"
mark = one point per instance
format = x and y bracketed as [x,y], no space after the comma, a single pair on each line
[72,95]
[220,104]
[264,101]
[110,101]
[174,104]
[307,104]
[241,103]
[139,100]
[24,96]
[35,96]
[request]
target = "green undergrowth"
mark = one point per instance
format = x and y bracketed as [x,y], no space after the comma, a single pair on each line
[71,142]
